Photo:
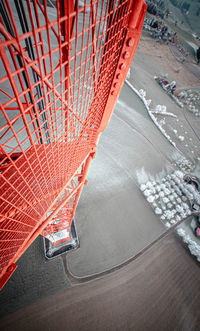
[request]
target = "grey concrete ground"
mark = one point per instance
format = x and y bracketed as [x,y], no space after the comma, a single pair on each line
[158,291]
[193,68]
[34,279]
[143,69]
[114,221]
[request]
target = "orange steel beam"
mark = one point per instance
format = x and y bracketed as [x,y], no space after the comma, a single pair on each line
[127,53]
[44,221]
[56,210]
[32,65]
[78,107]
[131,41]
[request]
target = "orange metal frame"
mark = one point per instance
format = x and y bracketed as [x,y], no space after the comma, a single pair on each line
[60,80]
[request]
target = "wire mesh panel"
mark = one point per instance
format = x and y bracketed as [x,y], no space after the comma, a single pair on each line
[62,67]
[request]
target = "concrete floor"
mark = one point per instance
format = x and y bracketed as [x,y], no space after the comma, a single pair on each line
[114,222]
[158,291]
[34,279]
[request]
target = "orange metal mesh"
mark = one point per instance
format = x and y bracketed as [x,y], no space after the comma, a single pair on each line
[56,86]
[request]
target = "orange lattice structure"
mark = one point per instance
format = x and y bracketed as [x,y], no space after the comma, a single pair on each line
[62,69]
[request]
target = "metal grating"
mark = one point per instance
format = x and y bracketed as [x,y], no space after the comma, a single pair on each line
[58,66]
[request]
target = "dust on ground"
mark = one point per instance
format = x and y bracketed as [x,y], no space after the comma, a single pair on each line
[163,55]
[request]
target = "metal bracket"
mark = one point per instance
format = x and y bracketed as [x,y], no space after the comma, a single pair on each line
[7,275]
